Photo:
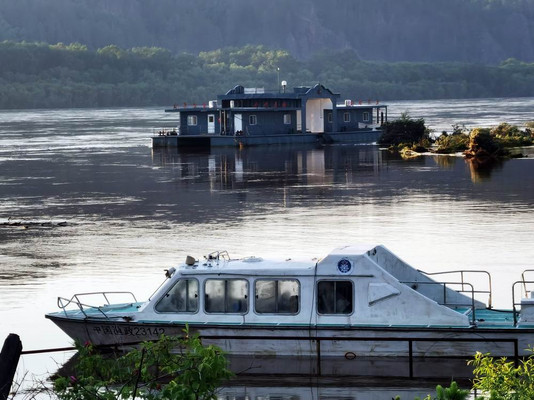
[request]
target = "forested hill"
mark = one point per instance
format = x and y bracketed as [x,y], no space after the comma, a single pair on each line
[477,31]
[36,75]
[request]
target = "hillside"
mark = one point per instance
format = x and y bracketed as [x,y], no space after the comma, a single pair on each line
[474,31]
[40,76]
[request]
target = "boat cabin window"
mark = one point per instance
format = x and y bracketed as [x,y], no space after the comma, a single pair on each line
[252,120]
[226,296]
[346,117]
[287,119]
[183,297]
[334,297]
[277,296]
[366,116]
[191,120]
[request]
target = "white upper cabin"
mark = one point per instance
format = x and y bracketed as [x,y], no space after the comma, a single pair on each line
[353,285]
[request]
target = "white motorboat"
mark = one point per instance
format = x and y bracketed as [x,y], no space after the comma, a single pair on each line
[361,310]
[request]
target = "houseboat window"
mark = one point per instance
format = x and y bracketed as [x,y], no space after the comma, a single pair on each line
[329,118]
[366,116]
[346,117]
[287,119]
[334,297]
[211,119]
[226,296]
[277,296]
[183,297]
[252,120]
[191,120]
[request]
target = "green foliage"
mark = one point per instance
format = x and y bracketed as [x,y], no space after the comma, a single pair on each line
[404,131]
[452,143]
[190,370]
[453,392]
[42,75]
[511,136]
[499,379]
[481,140]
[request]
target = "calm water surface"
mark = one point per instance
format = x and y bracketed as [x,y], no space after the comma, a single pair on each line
[132,211]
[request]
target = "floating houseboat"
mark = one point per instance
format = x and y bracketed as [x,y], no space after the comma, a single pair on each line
[361,310]
[252,116]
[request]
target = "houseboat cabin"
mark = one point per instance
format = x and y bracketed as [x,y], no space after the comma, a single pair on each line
[253,116]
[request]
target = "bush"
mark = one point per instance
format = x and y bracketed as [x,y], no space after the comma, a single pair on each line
[499,379]
[405,131]
[191,371]
[452,143]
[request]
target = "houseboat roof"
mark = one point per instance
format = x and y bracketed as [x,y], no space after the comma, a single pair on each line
[240,92]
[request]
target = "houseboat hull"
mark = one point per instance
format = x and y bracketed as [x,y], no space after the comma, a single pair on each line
[426,352]
[207,141]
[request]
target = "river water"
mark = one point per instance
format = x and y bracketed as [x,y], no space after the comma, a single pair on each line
[131,211]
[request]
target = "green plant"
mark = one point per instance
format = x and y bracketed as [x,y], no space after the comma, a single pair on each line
[453,392]
[500,379]
[405,131]
[171,368]
[452,143]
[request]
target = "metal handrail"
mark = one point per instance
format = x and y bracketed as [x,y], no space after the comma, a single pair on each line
[216,255]
[63,302]
[514,302]
[525,281]
[444,284]
[462,281]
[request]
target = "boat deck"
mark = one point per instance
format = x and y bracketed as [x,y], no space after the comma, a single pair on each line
[485,318]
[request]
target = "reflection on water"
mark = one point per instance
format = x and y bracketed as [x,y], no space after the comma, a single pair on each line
[131,212]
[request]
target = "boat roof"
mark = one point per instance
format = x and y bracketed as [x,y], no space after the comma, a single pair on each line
[259,266]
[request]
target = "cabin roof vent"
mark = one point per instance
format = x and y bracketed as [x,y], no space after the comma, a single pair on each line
[190,260]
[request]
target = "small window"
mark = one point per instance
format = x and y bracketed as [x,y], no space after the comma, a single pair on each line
[183,297]
[366,116]
[191,120]
[346,117]
[252,120]
[277,296]
[226,296]
[211,119]
[334,297]
[329,118]
[287,119]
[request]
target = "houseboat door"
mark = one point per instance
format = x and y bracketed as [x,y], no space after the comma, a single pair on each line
[211,123]
[238,123]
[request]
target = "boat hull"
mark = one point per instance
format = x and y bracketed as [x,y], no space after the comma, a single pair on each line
[359,137]
[323,351]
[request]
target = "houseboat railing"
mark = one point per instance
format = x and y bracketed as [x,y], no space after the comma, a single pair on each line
[516,303]
[462,281]
[63,302]
[470,290]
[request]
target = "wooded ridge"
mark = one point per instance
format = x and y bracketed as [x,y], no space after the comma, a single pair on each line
[474,31]
[38,75]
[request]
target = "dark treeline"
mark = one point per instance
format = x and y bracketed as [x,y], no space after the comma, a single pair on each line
[482,31]
[37,75]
